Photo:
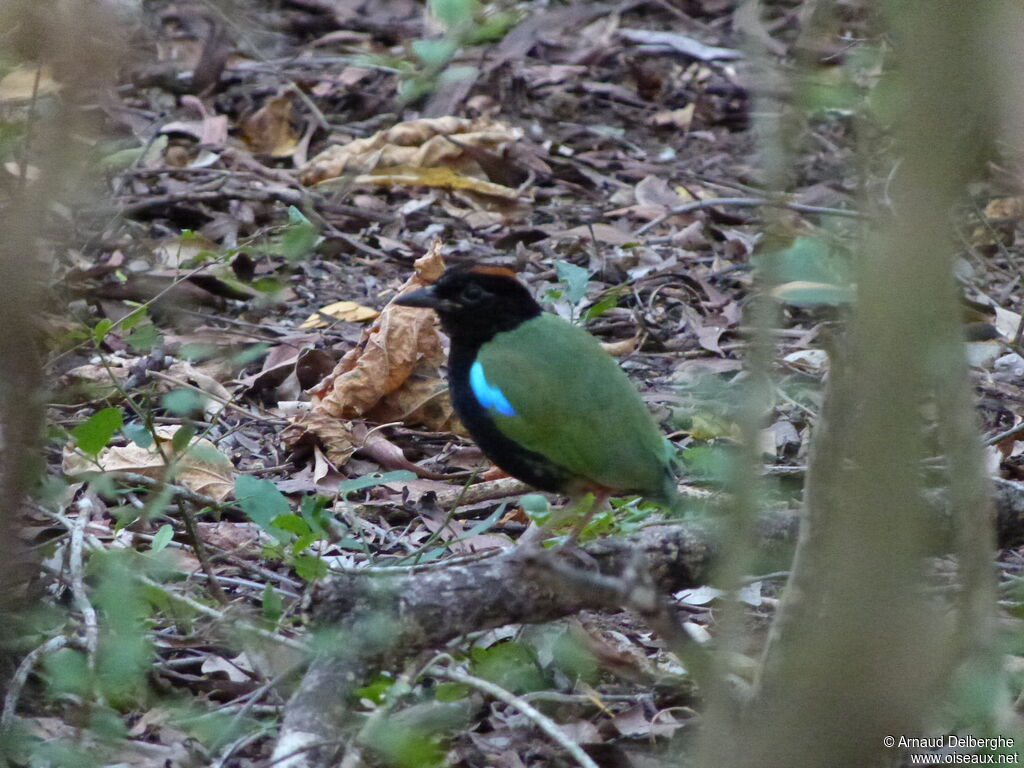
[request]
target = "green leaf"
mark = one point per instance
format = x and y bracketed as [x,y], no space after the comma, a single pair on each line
[309,567]
[298,237]
[458,74]
[182,438]
[268,284]
[536,507]
[132,319]
[411,89]
[92,435]
[197,351]
[451,691]
[377,689]
[162,537]
[262,502]
[575,279]
[606,302]
[710,463]
[434,53]
[509,664]
[182,402]
[313,511]
[809,259]
[453,13]
[492,28]
[574,659]
[802,293]
[250,354]
[272,607]
[101,329]
[143,338]
[67,671]
[291,523]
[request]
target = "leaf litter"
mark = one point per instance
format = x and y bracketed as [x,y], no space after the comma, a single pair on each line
[582,133]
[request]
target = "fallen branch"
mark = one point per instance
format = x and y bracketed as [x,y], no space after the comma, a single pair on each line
[384,618]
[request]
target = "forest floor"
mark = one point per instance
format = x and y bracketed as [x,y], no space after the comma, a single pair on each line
[226,357]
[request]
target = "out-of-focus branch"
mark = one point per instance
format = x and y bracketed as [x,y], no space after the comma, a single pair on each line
[73,42]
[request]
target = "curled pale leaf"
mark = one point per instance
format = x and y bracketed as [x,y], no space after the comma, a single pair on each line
[447,152]
[333,436]
[199,467]
[403,340]
[269,130]
[435,177]
[348,311]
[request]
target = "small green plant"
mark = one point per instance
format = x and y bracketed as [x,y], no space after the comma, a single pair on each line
[428,62]
[295,532]
[567,298]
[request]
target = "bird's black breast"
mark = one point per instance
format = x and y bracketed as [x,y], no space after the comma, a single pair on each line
[526,465]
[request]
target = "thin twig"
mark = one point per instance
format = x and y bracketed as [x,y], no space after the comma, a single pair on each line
[20,676]
[178,491]
[266,419]
[77,571]
[539,719]
[747,202]
[192,531]
[1011,432]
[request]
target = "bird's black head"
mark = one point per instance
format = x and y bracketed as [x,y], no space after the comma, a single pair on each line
[475,302]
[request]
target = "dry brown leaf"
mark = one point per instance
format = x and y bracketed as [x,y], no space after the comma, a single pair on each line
[1005,208]
[621,348]
[443,152]
[403,340]
[185,372]
[423,400]
[436,177]
[675,118]
[269,130]
[348,311]
[652,190]
[208,130]
[183,249]
[334,436]
[415,144]
[390,376]
[94,382]
[205,471]
[21,83]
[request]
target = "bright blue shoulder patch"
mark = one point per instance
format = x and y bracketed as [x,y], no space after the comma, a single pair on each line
[489,397]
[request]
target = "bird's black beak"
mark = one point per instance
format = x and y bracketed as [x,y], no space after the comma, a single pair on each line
[426,298]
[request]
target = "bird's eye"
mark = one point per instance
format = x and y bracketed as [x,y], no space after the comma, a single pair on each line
[472,294]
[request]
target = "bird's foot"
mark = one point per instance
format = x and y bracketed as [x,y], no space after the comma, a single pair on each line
[571,549]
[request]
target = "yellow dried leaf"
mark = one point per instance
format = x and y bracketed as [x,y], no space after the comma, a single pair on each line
[676,118]
[348,311]
[1005,208]
[433,142]
[269,130]
[435,177]
[403,340]
[19,84]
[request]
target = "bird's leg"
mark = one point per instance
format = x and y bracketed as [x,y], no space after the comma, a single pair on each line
[536,534]
[600,502]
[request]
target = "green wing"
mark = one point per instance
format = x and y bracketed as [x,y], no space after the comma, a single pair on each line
[574,405]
